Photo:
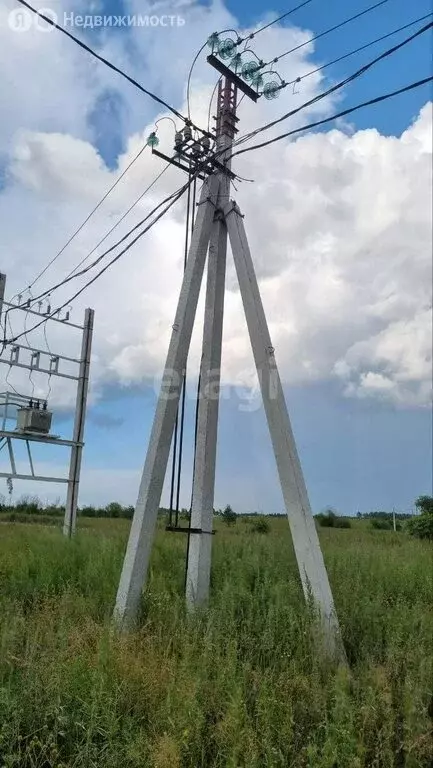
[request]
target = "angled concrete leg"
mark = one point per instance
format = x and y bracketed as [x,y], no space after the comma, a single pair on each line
[142,531]
[306,544]
[200,545]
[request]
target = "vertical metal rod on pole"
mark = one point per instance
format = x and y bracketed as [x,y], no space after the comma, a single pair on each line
[29,454]
[11,456]
[78,434]
[2,294]
[6,410]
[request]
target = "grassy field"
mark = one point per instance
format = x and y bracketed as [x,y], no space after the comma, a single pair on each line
[240,685]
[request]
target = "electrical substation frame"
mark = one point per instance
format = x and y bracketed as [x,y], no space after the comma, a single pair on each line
[37,406]
[218,218]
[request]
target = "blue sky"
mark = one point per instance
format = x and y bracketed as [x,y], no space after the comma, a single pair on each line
[357,453]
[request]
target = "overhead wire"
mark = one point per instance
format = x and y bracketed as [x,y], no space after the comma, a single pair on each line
[343,113]
[275,21]
[86,220]
[96,261]
[74,274]
[171,198]
[26,316]
[188,84]
[119,221]
[176,425]
[168,202]
[184,378]
[358,50]
[9,383]
[247,137]
[326,32]
[211,102]
[108,64]
[362,70]
[44,328]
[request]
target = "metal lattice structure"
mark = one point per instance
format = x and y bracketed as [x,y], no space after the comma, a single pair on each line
[31,414]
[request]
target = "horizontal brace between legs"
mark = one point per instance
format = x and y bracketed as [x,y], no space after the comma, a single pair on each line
[178,529]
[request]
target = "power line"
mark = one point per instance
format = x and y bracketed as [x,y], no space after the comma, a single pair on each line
[343,113]
[336,87]
[171,200]
[78,230]
[326,32]
[211,101]
[71,276]
[361,48]
[275,21]
[188,84]
[117,224]
[109,64]
[96,261]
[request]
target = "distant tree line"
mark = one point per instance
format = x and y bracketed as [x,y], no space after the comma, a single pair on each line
[382,515]
[420,526]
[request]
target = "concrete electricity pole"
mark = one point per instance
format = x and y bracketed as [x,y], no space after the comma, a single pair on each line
[200,545]
[218,217]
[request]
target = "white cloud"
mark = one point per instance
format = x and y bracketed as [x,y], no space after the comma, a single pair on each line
[339,222]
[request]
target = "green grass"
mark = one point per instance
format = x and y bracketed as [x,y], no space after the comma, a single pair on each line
[240,685]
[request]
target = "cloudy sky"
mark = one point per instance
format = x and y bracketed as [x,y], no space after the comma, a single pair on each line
[339,223]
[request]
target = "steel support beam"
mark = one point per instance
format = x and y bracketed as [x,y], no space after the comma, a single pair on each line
[36,369]
[43,479]
[78,436]
[37,438]
[41,316]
